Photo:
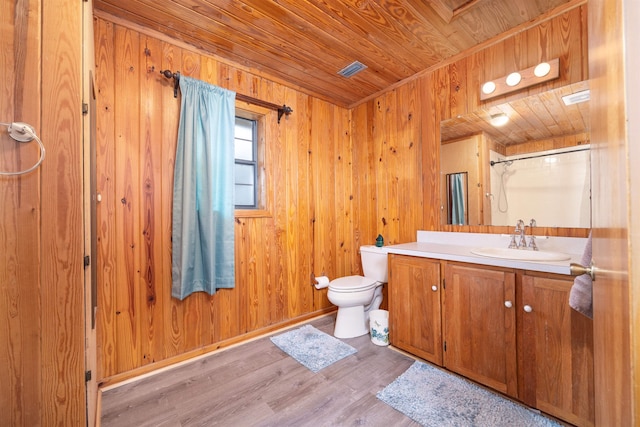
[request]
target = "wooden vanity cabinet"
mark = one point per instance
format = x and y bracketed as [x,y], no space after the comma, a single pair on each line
[479,325]
[510,330]
[414,306]
[556,347]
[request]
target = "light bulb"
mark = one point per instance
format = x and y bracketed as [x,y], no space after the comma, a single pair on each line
[542,69]
[498,120]
[488,87]
[513,79]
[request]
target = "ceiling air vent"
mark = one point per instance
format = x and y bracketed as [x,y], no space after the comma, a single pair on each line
[576,98]
[351,69]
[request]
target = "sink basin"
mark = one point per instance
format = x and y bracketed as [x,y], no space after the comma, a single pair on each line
[521,254]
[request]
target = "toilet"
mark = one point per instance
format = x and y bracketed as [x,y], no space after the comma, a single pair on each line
[356,296]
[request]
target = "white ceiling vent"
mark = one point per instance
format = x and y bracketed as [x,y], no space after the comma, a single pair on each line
[351,69]
[576,98]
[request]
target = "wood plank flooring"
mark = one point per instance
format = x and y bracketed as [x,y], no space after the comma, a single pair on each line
[257,384]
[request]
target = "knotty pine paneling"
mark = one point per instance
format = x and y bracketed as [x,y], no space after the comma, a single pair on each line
[20,214]
[562,37]
[381,125]
[305,43]
[548,144]
[41,217]
[306,229]
[127,162]
[336,178]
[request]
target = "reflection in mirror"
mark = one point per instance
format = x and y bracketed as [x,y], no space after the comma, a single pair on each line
[457,159]
[535,166]
[457,184]
[557,178]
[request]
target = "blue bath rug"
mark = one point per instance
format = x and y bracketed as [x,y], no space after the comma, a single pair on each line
[433,397]
[312,348]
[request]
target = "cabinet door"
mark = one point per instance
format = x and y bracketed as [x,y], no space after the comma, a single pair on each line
[414,306]
[557,361]
[479,325]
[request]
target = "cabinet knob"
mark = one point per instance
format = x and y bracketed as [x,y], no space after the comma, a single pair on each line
[434,288]
[508,304]
[528,308]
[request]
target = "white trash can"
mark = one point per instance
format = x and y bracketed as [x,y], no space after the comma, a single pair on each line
[379,327]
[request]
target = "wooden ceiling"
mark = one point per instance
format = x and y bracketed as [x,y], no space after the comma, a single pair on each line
[533,118]
[306,42]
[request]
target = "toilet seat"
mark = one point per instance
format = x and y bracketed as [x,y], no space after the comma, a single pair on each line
[352,284]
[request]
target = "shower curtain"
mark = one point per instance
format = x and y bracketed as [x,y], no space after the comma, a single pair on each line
[457,199]
[203,204]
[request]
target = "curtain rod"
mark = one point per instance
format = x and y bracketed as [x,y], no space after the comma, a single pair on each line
[493,162]
[282,110]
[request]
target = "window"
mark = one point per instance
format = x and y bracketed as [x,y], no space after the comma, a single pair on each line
[246,163]
[253,127]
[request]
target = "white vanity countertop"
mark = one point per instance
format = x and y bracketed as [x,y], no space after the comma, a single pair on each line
[458,246]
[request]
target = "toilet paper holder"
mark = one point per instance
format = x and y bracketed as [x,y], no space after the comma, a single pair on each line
[321,282]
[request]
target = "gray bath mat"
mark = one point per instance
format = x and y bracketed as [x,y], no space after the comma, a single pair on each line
[312,348]
[433,397]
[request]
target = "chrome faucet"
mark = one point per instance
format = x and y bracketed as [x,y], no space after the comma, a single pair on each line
[519,236]
[522,243]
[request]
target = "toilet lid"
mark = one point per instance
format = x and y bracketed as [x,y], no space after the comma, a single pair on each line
[351,284]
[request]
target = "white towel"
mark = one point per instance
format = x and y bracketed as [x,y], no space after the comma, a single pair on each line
[581,296]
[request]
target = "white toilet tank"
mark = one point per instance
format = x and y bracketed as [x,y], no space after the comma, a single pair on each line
[374,263]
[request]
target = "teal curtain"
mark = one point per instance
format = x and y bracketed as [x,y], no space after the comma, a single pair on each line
[203,205]
[457,199]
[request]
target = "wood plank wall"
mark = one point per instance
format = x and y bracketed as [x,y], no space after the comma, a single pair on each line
[306,230]
[402,126]
[19,233]
[337,178]
[41,235]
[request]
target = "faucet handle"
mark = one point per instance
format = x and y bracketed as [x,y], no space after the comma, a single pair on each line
[533,223]
[519,226]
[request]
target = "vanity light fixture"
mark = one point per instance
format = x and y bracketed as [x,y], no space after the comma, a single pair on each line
[543,72]
[499,119]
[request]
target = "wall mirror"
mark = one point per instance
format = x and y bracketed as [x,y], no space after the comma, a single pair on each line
[537,165]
